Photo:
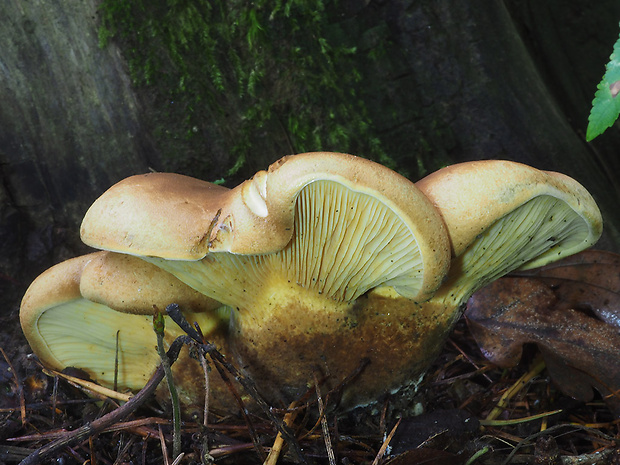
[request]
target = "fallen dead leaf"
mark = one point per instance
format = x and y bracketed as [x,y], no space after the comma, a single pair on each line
[570,310]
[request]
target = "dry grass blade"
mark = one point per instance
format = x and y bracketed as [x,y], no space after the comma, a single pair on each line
[18,386]
[278,443]
[326,436]
[92,389]
[385,444]
[502,404]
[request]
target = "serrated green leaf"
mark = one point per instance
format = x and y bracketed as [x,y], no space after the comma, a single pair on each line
[606,103]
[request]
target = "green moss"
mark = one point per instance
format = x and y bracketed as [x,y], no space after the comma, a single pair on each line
[246,72]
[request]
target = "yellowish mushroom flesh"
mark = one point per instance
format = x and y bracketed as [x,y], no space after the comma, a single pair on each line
[116,348]
[105,344]
[543,217]
[541,229]
[336,294]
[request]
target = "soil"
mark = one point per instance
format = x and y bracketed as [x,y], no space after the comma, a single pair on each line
[442,423]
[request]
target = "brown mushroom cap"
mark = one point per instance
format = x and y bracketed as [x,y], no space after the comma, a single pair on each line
[503,216]
[77,312]
[163,215]
[356,220]
[294,251]
[130,285]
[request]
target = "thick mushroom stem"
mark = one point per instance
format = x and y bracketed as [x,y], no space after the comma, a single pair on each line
[95,312]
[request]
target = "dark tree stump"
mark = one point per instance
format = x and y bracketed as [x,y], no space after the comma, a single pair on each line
[456,82]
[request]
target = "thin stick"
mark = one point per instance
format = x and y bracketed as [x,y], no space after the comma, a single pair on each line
[54,399]
[164,448]
[385,444]
[123,450]
[18,386]
[278,444]
[205,369]
[159,327]
[244,412]
[326,436]
[205,415]
[468,358]
[93,454]
[74,437]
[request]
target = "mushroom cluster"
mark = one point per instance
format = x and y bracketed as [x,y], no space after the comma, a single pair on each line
[324,267]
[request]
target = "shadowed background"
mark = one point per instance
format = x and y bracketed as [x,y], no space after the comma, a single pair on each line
[92,92]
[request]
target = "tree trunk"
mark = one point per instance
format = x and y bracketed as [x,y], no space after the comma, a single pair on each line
[443,80]
[69,128]
[510,80]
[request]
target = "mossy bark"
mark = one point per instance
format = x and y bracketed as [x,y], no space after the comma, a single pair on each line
[443,81]
[69,128]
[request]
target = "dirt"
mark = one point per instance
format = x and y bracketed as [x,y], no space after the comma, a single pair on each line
[444,422]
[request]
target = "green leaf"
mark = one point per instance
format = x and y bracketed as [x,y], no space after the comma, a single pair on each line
[606,103]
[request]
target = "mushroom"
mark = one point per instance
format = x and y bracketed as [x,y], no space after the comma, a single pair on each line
[324,259]
[94,313]
[503,216]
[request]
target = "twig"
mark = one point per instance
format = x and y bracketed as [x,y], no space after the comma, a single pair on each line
[515,388]
[233,390]
[220,361]
[159,326]
[123,450]
[326,436]
[205,416]
[91,448]
[89,429]
[386,443]
[468,358]
[54,399]
[278,443]
[162,442]
[18,386]
[205,369]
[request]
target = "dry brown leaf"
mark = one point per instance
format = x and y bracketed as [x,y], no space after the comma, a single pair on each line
[570,309]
